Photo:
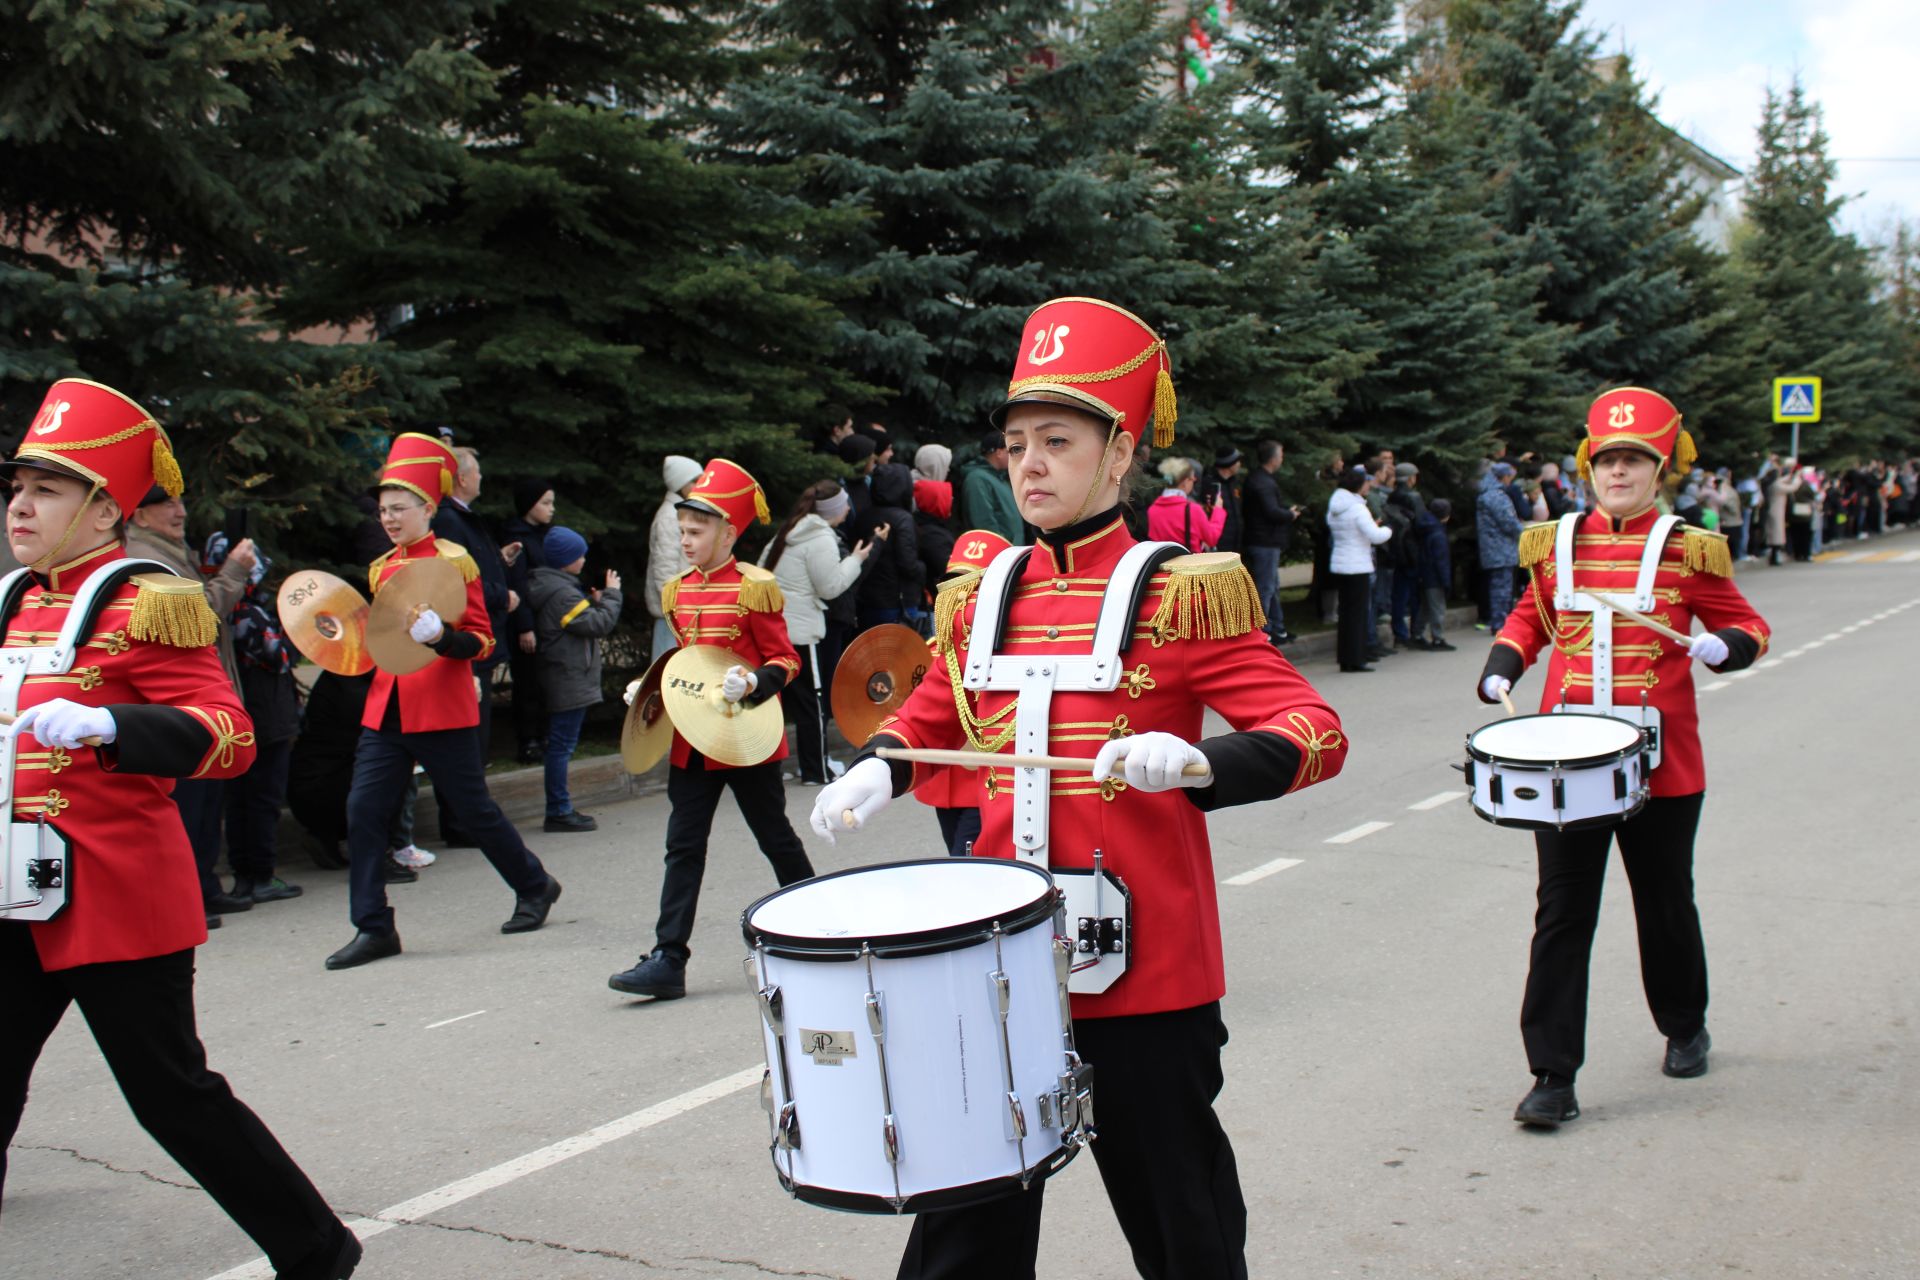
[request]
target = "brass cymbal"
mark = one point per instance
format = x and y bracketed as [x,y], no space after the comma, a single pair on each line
[647,734]
[417,584]
[882,666]
[326,620]
[731,733]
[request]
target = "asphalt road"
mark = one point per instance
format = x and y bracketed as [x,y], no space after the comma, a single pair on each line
[501,1113]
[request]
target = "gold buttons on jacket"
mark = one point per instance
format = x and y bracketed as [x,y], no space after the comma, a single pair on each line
[1053,633]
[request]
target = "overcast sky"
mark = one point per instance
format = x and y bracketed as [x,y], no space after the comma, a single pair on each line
[1711,61]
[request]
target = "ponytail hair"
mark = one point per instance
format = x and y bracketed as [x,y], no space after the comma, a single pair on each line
[817,492]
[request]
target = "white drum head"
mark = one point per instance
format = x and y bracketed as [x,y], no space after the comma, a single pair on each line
[901,899]
[1546,739]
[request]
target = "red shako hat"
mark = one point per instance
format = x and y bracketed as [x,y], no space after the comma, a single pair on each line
[94,433]
[975,549]
[725,489]
[420,464]
[1099,358]
[1636,418]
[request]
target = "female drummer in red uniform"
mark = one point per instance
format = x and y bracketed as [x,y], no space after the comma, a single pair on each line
[1616,665]
[1089,379]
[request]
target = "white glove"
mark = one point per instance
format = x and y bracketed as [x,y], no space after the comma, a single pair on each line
[861,791]
[1710,649]
[1493,686]
[739,683]
[427,628]
[633,689]
[1152,762]
[61,723]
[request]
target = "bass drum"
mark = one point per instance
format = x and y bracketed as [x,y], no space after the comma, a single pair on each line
[919,1048]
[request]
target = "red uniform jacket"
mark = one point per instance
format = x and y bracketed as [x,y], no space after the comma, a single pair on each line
[1691,583]
[441,695]
[1287,738]
[737,607]
[135,891]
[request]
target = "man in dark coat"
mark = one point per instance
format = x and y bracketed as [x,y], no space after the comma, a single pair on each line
[1224,480]
[1268,528]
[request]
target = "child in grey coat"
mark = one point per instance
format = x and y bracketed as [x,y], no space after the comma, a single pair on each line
[570,622]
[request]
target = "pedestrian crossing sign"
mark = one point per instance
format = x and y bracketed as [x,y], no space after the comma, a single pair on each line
[1796,399]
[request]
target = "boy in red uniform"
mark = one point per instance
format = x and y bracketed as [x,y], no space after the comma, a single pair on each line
[719,601]
[429,716]
[1024,667]
[108,716]
[1612,665]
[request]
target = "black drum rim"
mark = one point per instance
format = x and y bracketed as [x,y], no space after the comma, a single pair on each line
[1615,758]
[922,942]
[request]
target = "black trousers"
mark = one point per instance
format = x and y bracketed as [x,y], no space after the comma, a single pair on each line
[805,699]
[529,700]
[254,800]
[694,794]
[1656,848]
[141,1015]
[382,768]
[959,828]
[201,802]
[1164,1159]
[1355,644]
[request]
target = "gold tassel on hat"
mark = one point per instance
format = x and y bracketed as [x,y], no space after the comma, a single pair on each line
[1166,410]
[1583,459]
[1208,597]
[172,611]
[1706,552]
[760,505]
[760,590]
[1536,542]
[1684,454]
[166,467]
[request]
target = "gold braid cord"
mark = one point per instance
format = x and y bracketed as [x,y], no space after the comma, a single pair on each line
[172,611]
[1208,597]
[985,734]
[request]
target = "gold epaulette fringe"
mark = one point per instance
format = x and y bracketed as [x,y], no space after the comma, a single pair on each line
[949,603]
[469,568]
[1706,552]
[760,590]
[373,572]
[669,597]
[1536,541]
[173,611]
[1208,597]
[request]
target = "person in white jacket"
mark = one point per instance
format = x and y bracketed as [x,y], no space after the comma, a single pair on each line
[805,558]
[1355,535]
[665,562]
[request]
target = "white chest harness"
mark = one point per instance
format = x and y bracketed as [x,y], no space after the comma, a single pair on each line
[1103,940]
[33,872]
[1566,598]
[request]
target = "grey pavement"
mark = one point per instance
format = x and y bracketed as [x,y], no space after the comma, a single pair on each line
[1374,1063]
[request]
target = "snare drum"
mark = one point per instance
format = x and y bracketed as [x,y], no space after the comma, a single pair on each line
[1557,773]
[919,1046]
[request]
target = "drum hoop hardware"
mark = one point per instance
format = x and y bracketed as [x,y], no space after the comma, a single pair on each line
[786,1133]
[889,1126]
[1002,989]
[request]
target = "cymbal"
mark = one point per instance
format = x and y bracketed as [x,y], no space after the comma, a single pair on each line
[327,621]
[647,734]
[882,666]
[731,733]
[433,584]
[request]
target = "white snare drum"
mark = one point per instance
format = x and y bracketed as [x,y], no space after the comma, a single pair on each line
[1557,773]
[919,1050]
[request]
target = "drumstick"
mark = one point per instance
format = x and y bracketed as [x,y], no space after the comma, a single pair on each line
[93,741]
[974,759]
[1644,620]
[1507,702]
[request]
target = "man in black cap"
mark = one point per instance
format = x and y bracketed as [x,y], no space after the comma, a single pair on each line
[1224,480]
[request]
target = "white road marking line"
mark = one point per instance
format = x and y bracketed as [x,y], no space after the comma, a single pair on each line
[1770,662]
[1434,802]
[1847,631]
[1360,832]
[1831,635]
[1717,684]
[1743,675]
[453,1193]
[450,1021]
[1262,871]
[1905,557]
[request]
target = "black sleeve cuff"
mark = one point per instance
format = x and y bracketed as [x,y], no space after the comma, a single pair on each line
[902,770]
[1246,767]
[768,681]
[1502,660]
[456,644]
[163,741]
[1742,649]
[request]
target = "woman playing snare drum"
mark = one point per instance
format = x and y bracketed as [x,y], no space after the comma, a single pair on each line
[1626,549]
[1089,378]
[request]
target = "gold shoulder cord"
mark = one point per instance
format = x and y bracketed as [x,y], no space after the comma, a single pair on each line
[982,733]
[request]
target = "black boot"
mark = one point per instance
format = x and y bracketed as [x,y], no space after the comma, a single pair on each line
[365,949]
[530,913]
[334,1260]
[1549,1104]
[573,820]
[660,975]
[1688,1058]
